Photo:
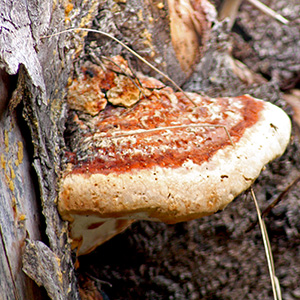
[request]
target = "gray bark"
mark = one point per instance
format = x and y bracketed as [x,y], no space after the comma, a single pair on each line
[28,196]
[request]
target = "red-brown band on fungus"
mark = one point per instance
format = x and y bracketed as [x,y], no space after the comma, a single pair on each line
[119,171]
[147,150]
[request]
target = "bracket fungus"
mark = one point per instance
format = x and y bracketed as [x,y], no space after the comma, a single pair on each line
[164,160]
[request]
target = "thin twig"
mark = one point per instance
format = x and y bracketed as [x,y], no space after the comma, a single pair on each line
[133,72]
[127,75]
[98,281]
[275,202]
[128,49]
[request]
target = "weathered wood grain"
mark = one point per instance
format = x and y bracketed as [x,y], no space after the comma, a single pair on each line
[19,210]
[28,195]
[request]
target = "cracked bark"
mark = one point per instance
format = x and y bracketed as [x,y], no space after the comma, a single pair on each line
[34,73]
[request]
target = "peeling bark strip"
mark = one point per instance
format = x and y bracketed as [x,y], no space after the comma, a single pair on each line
[44,267]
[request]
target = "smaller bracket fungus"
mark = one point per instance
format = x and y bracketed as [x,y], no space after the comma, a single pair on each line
[164,160]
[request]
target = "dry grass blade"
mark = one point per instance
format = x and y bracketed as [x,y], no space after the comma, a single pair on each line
[128,49]
[268,11]
[141,131]
[230,8]
[268,250]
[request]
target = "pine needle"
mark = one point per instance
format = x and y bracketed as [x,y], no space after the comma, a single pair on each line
[268,250]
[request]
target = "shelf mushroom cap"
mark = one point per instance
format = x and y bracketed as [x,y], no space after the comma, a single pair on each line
[166,160]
